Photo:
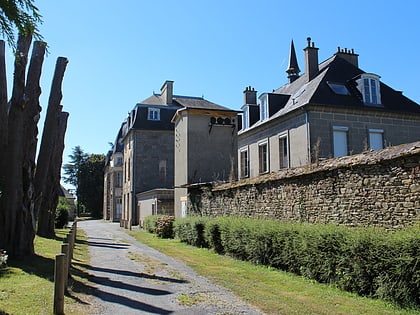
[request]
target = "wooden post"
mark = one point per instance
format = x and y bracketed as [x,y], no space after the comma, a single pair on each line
[65,251]
[59,284]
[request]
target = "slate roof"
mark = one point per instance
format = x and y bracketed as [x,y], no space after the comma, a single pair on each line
[316,92]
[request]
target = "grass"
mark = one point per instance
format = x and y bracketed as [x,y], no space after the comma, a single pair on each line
[270,290]
[27,287]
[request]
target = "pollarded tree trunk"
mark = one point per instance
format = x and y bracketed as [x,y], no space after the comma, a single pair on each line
[16,219]
[47,157]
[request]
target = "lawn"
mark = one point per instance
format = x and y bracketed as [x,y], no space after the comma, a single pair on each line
[270,290]
[27,287]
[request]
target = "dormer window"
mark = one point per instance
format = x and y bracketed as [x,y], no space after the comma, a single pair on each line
[153,114]
[264,107]
[368,85]
[245,117]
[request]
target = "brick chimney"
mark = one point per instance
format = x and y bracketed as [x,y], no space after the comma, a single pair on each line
[250,96]
[311,60]
[167,91]
[348,55]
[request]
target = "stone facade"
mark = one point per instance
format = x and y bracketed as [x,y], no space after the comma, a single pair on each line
[379,188]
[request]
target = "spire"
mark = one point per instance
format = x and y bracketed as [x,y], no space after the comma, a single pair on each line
[293,69]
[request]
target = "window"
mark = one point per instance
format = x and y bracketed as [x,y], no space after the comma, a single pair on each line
[368,85]
[376,141]
[153,114]
[338,88]
[263,157]
[264,107]
[245,118]
[119,179]
[284,151]
[244,171]
[340,141]
[119,161]
[162,171]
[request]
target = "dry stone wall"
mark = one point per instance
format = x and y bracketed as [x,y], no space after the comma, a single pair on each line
[380,188]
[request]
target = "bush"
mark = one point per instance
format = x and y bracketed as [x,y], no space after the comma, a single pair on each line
[149,223]
[165,226]
[191,231]
[62,213]
[368,261]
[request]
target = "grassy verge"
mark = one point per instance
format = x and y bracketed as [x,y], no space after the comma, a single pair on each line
[27,287]
[272,291]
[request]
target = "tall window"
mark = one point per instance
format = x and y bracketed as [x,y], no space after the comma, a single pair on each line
[119,179]
[245,118]
[263,157]
[340,141]
[244,171]
[369,86]
[153,114]
[284,151]
[264,107]
[376,139]
[162,171]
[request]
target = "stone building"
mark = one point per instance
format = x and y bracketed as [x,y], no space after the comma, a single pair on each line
[146,148]
[334,109]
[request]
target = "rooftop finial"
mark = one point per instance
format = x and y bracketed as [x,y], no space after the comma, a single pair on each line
[309,41]
[293,68]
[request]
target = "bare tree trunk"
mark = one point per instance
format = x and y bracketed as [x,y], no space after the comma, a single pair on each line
[16,220]
[3,108]
[51,190]
[46,154]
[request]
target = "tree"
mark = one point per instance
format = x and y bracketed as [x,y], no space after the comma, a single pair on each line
[72,169]
[20,15]
[91,184]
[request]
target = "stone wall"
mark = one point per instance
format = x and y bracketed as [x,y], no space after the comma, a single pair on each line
[380,188]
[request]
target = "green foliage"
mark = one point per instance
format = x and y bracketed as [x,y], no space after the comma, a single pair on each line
[368,261]
[190,230]
[165,226]
[62,213]
[149,223]
[91,184]
[20,15]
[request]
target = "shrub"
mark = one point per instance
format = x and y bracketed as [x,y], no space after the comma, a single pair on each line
[164,226]
[191,231]
[149,223]
[368,261]
[62,213]
[3,258]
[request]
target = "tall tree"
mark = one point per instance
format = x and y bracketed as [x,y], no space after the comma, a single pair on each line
[91,184]
[72,169]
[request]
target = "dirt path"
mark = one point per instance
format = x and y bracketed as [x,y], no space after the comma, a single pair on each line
[132,278]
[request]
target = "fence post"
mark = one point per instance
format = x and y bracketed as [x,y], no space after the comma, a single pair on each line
[59,284]
[65,250]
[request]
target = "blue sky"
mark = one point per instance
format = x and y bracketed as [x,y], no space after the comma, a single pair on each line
[120,52]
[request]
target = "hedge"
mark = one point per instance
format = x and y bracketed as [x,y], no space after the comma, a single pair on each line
[369,261]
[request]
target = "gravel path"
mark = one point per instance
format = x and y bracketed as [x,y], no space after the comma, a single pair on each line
[132,278]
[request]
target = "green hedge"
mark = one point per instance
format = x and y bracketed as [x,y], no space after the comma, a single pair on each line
[368,261]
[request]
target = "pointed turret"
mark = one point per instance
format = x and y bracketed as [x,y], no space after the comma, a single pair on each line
[293,69]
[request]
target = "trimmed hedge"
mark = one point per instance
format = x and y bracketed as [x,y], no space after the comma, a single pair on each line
[371,262]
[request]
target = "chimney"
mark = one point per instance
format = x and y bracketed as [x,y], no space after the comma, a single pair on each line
[250,96]
[311,60]
[348,55]
[167,91]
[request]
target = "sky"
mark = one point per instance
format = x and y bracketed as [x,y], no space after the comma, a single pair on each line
[121,52]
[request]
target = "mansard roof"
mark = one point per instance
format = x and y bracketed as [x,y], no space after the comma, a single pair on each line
[317,91]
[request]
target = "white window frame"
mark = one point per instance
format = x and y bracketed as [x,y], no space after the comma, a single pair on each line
[369,86]
[153,114]
[244,171]
[264,107]
[284,159]
[245,117]
[375,132]
[261,163]
[339,131]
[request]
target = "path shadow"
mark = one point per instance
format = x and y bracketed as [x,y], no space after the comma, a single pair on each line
[104,244]
[129,273]
[80,287]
